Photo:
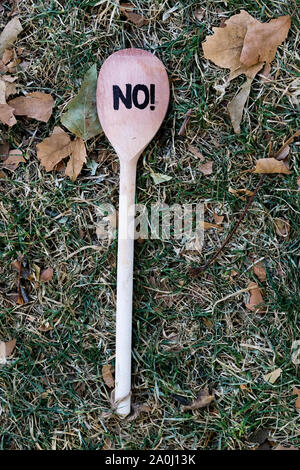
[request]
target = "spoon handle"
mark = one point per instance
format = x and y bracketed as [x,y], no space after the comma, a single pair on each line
[125,286]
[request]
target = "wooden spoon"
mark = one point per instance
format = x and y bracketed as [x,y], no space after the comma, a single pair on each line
[132,100]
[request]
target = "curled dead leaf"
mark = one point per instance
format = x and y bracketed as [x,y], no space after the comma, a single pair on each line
[6,349]
[10,34]
[107,376]
[204,398]
[236,106]
[271,165]
[282,227]
[256,299]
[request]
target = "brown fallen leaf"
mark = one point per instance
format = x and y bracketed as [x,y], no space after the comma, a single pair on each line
[206,168]
[256,300]
[237,192]
[12,161]
[10,34]
[282,227]
[296,391]
[35,105]
[259,271]
[218,218]
[204,398]
[281,155]
[59,146]
[46,327]
[224,47]
[54,148]
[46,275]
[236,106]
[107,376]
[6,349]
[271,165]
[77,159]
[138,20]
[273,376]
[107,444]
[262,39]
[7,115]
[208,225]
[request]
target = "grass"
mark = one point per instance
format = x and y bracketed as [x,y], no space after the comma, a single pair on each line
[52,395]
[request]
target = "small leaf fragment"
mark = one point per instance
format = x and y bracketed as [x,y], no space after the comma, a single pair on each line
[107,376]
[296,391]
[273,376]
[282,227]
[6,349]
[46,275]
[206,168]
[160,178]
[256,300]
[204,398]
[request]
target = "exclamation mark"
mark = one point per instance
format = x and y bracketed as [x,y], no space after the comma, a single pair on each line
[152,96]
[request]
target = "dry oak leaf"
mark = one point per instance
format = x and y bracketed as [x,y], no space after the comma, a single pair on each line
[54,148]
[262,39]
[107,376]
[6,349]
[271,165]
[59,146]
[204,398]
[225,46]
[10,34]
[12,161]
[273,376]
[256,299]
[35,105]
